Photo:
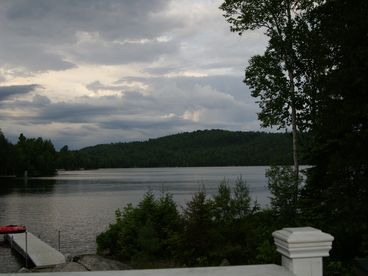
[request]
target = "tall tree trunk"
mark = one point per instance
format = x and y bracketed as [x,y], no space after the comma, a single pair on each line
[290,69]
[293,125]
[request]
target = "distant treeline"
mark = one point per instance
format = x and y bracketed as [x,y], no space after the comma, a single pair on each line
[200,148]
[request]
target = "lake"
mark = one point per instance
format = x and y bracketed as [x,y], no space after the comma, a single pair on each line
[81,204]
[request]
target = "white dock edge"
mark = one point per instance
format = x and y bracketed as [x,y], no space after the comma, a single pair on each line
[39,252]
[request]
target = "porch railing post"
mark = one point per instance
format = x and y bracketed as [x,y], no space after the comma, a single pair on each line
[302,249]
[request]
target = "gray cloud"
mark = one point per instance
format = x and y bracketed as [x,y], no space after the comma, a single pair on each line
[30,56]
[101,52]
[41,34]
[7,92]
[145,124]
[2,78]
[71,113]
[157,38]
[56,35]
[40,100]
[172,105]
[227,84]
[112,19]
[98,86]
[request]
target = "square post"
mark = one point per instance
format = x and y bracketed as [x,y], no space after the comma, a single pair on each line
[302,249]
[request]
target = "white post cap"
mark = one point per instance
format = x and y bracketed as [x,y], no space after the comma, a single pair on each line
[302,242]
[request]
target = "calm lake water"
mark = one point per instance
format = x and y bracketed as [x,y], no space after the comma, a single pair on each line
[81,204]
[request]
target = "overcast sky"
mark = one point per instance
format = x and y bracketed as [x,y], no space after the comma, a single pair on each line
[85,72]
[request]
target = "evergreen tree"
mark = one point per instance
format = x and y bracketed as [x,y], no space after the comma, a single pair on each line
[35,157]
[144,234]
[336,195]
[199,233]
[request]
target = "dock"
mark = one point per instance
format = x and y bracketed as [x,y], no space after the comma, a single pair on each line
[37,251]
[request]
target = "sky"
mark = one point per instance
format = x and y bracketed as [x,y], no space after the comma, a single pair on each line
[86,72]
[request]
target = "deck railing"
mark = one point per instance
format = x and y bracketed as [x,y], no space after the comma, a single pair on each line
[302,250]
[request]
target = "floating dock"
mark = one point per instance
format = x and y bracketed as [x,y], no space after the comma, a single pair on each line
[37,251]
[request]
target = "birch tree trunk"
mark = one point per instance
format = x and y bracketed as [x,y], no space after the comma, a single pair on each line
[290,69]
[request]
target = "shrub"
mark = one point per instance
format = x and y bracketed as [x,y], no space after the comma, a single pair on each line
[144,233]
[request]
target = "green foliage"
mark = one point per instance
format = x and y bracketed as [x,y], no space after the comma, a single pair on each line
[223,209]
[267,81]
[199,233]
[284,191]
[220,228]
[199,148]
[144,233]
[7,156]
[336,195]
[244,15]
[338,268]
[241,202]
[316,64]
[36,156]
[208,231]
[277,78]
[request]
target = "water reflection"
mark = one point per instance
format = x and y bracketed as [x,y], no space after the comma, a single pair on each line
[81,204]
[9,261]
[26,186]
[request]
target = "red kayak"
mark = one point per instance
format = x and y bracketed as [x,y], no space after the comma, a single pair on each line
[11,229]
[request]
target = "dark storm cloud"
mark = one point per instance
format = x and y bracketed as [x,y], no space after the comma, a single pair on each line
[12,90]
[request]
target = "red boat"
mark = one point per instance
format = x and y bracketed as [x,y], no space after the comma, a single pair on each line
[11,229]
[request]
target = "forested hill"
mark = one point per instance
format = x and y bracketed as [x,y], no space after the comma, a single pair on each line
[199,148]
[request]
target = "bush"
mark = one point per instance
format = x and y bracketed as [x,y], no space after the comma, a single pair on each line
[143,233]
[285,190]
[209,231]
